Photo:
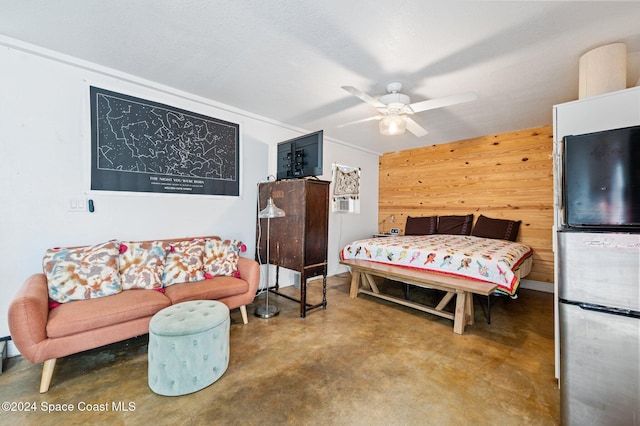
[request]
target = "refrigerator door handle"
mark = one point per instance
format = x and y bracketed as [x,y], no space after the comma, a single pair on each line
[603,309]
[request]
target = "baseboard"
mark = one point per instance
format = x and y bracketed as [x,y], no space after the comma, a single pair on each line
[12,351]
[536,285]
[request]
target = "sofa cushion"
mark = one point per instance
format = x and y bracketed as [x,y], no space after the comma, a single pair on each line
[83,272]
[221,257]
[184,262]
[211,289]
[81,316]
[142,264]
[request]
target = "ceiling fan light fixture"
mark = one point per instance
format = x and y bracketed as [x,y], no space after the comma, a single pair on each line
[395,109]
[392,124]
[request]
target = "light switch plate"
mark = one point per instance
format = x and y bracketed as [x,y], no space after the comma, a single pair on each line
[77,205]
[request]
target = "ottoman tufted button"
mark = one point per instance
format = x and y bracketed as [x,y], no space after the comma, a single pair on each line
[188,347]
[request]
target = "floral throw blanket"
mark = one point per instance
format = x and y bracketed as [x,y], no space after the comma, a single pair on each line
[484,259]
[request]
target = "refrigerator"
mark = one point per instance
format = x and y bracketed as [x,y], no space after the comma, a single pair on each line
[599,315]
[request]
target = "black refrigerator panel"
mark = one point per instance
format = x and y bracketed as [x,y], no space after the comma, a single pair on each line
[600,373]
[600,269]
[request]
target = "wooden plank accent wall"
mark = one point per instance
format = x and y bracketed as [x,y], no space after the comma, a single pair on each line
[506,176]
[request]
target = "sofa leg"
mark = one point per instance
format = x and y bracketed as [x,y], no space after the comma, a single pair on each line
[243,311]
[47,373]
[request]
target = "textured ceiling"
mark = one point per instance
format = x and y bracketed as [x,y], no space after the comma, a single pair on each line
[286,60]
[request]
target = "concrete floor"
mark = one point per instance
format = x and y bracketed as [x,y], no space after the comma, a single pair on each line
[362,361]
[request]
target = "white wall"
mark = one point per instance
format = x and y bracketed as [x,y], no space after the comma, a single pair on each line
[44,143]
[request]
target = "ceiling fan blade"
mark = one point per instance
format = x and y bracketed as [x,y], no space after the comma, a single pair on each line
[364,97]
[415,128]
[375,117]
[443,102]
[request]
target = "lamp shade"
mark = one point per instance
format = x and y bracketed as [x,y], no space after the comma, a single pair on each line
[392,124]
[271,211]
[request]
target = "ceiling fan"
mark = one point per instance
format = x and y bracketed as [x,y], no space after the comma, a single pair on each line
[395,109]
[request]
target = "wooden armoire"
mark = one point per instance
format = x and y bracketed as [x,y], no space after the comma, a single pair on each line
[299,240]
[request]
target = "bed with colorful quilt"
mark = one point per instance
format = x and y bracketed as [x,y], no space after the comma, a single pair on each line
[460,265]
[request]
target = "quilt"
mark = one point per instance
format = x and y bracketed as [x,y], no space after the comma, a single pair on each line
[484,259]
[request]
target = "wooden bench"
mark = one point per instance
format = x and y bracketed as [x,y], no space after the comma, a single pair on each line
[363,271]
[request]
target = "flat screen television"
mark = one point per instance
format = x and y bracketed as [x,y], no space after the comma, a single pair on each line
[300,157]
[601,180]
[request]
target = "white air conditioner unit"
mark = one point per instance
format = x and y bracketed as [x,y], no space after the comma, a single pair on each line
[345,205]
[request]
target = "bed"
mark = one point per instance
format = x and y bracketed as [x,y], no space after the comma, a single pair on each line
[459,265]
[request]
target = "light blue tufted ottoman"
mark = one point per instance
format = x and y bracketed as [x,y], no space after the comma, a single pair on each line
[188,347]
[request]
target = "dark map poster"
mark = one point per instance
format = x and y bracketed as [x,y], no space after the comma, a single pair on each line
[143,146]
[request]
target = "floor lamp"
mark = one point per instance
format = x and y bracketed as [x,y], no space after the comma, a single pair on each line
[269,212]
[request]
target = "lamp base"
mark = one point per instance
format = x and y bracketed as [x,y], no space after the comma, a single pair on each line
[267,311]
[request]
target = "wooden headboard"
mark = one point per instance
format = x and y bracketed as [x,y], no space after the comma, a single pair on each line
[505,176]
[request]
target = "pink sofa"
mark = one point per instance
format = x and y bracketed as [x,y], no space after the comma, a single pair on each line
[42,334]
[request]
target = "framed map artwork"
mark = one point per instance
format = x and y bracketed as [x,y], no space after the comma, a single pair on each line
[143,146]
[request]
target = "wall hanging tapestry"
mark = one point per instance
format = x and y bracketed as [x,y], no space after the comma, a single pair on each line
[346,181]
[143,146]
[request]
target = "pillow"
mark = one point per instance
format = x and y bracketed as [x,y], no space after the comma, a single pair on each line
[142,264]
[500,229]
[184,262]
[421,225]
[83,272]
[221,257]
[455,225]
